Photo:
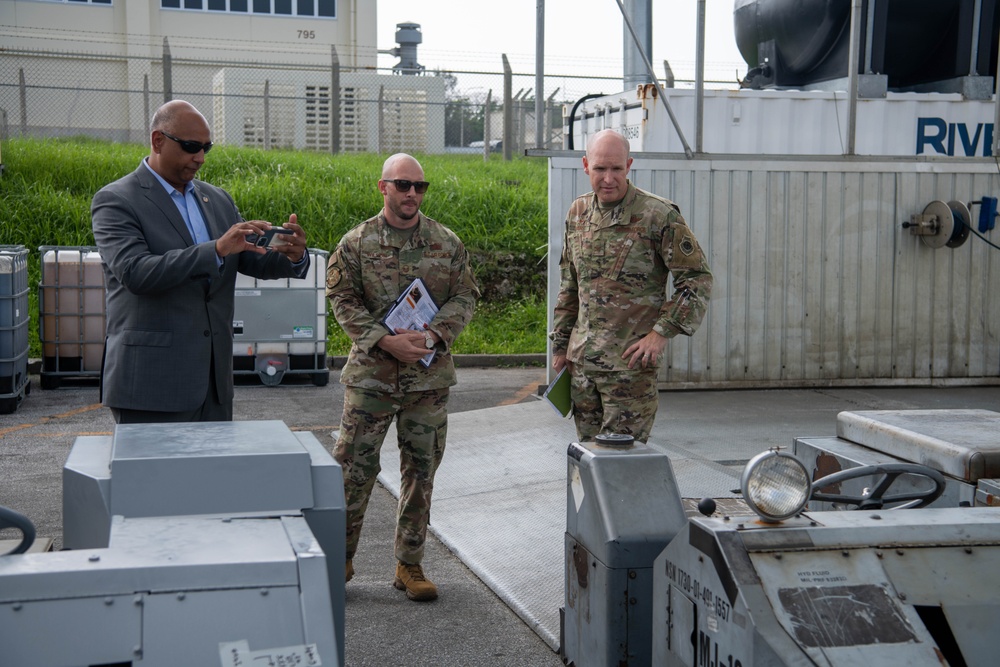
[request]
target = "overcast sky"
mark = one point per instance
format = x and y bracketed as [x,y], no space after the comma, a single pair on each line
[581,36]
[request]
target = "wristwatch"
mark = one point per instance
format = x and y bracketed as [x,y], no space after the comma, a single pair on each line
[428,340]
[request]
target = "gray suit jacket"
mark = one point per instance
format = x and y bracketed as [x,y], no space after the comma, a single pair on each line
[169,303]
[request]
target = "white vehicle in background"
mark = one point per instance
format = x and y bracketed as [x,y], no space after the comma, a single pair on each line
[496,145]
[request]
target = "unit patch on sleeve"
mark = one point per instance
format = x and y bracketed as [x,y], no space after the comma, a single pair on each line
[332,277]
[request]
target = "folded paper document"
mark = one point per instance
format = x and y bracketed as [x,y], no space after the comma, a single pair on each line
[414,309]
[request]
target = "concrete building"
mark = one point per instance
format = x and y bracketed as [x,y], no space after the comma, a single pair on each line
[299,31]
[100,67]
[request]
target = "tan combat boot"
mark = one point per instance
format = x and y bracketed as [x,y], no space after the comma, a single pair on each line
[410,578]
[348,570]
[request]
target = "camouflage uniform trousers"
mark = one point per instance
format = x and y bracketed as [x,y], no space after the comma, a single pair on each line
[614,402]
[421,427]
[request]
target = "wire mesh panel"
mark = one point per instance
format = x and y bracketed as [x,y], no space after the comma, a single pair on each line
[279,326]
[71,313]
[276,103]
[14,384]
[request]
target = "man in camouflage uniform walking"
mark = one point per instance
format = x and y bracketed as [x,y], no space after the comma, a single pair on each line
[372,265]
[612,317]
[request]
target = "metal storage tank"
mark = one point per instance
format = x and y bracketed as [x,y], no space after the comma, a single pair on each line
[279,326]
[14,383]
[71,313]
[916,44]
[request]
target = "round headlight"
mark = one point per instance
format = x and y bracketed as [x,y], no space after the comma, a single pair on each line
[776,486]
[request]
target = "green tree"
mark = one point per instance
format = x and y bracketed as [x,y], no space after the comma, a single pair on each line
[463,116]
[463,122]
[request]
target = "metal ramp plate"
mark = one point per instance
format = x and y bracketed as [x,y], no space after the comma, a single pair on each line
[962,443]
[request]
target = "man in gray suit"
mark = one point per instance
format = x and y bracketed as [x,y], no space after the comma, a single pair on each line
[171,247]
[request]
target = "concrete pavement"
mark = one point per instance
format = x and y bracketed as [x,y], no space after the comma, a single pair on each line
[469,624]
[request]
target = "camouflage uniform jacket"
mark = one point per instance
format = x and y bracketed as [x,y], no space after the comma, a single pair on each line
[613,277]
[365,276]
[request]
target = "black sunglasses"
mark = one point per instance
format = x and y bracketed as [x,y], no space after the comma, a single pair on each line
[191,147]
[403,185]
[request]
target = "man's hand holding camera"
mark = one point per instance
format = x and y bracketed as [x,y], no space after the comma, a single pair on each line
[248,235]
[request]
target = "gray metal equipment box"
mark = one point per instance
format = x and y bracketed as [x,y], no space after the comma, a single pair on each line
[14,383]
[622,508]
[279,326]
[961,444]
[209,468]
[168,591]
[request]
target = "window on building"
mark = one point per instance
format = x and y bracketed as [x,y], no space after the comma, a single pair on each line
[83,2]
[315,8]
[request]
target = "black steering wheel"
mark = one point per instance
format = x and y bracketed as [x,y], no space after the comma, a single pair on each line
[875,497]
[11,519]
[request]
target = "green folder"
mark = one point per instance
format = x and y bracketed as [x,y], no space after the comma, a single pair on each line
[557,394]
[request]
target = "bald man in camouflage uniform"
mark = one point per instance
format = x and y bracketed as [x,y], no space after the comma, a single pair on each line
[612,317]
[384,378]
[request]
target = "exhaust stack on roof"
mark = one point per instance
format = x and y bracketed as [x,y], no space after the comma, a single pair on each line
[408,36]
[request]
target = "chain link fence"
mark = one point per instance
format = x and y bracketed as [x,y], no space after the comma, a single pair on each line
[277,105]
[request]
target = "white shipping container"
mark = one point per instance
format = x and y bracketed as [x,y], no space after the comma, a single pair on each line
[792,122]
[817,282]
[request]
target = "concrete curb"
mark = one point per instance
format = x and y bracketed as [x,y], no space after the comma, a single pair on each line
[461,361]
[473,361]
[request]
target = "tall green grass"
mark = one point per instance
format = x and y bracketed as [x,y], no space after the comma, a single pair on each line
[498,327]
[498,208]
[492,206]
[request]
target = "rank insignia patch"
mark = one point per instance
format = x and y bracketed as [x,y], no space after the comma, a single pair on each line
[686,246]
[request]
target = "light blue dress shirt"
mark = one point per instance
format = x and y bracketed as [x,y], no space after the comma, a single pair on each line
[188,206]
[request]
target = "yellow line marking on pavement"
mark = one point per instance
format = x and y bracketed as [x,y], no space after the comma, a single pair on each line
[79,411]
[524,392]
[13,429]
[45,420]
